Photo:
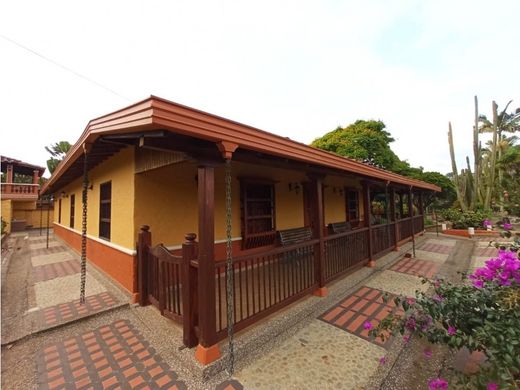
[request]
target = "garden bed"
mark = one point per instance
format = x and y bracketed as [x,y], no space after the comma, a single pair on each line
[464,233]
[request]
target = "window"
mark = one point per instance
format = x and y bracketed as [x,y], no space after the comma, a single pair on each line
[105,200]
[72,206]
[59,211]
[258,213]
[352,205]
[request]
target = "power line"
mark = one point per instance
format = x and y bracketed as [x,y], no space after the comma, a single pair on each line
[64,67]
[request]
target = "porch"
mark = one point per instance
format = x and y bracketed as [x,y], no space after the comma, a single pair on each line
[187,277]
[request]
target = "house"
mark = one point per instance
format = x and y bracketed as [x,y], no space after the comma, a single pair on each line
[20,191]
[295,217]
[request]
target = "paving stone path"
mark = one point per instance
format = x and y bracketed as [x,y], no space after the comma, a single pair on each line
[56,279]
[334,351]
[114,356]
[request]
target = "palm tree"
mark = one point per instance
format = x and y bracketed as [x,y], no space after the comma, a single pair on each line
[57,151]
[503,122]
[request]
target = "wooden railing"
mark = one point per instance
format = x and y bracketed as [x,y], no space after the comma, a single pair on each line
[383,238]
[169,282]
[418,223]
[404,228]
[19,189]
[344,251]
[263,283]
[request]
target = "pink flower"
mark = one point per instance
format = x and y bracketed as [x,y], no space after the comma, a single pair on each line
[382,360]
[406,338]
[437,384]
[492,386]
[427,353]
[451,330]
[410,301]
[368,325]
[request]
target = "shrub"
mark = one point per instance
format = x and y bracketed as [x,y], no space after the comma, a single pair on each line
[464,220]
[482,314]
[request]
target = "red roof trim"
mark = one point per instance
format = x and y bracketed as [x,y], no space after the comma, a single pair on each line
[156,112]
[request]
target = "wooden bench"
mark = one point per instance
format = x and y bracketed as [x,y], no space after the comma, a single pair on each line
[339,227]
[295,236]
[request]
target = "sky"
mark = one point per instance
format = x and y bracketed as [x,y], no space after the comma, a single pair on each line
[294,68]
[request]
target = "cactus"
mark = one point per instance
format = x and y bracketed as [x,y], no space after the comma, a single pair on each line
[458,182]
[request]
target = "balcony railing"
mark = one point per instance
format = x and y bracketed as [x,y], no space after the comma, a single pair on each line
[23,190]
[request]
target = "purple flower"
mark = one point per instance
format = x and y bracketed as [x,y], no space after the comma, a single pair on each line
[437,384]
[492,386]
[437,298]
[486,223]
[452,330]
[478,283]
[406,338]
[382,360]
[427,353]
[507,226]
[411,324]
[368,325]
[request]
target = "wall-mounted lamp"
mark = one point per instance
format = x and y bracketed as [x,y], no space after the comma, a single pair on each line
[337,190]
[295,187]
[91,186]
[64,194]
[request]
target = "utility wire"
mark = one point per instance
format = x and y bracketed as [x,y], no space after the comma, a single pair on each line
[64,67]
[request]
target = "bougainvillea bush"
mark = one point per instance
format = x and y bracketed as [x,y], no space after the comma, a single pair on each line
[481,314]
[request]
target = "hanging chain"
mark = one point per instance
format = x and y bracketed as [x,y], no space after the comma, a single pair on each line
[230,275]
[84,231]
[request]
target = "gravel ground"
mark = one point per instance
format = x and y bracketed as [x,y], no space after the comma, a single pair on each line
[49,259]
[46,292]
[397,283]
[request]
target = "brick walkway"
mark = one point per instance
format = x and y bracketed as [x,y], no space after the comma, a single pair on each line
[73,310]
[436,248]
[113,356]
[366,304]
[416,267]
[55,270]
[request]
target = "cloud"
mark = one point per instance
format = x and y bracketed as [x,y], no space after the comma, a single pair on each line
[298,69]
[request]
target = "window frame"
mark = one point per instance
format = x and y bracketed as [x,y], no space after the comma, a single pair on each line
[105,224]
[251,239]
[348,192]
[72,210]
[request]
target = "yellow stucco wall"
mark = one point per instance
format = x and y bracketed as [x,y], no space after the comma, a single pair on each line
[119,169]
[27,211]
[335,207]
[166,200]
[7,213]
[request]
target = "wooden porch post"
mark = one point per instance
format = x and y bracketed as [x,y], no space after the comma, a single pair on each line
[189,291]
[421,211]
[410,212]
[368,221]
[144,241]
[394,219]
[207,350]
[318,224]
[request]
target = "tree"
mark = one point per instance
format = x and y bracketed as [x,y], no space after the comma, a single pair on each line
[57,151]
[363,140]
[368,140]
[502,122]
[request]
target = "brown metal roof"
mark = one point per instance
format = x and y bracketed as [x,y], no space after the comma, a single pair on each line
[157,113]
